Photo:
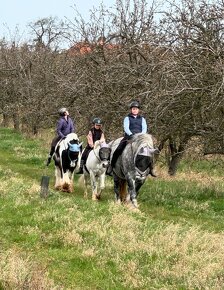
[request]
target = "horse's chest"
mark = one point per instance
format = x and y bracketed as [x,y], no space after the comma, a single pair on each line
[98,170]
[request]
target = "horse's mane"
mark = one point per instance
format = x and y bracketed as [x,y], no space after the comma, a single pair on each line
[64,142]
[97,144]
[71,136]
[141,139]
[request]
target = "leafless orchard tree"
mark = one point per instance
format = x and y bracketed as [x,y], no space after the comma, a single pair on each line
[171,63]
[193,85]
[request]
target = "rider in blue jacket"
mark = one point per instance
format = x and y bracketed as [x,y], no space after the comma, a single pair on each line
[65,126]
[133,123]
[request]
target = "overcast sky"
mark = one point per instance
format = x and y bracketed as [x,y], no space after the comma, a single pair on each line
[20,12]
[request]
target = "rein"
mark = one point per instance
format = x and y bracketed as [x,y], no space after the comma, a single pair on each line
[72,161]
[141,173]
[97,157]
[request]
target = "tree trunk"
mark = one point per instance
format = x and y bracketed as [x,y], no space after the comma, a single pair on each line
[16,121]
[5,120]
[176,153]
[35,130]
[174,162]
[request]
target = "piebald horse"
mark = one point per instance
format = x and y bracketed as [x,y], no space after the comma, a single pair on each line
[67,160]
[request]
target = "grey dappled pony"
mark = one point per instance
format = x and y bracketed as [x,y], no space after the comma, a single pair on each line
[132,167]
[95,169]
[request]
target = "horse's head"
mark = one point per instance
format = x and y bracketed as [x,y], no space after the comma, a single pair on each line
[144,161]
[143,155]
[74,149]
[104,154]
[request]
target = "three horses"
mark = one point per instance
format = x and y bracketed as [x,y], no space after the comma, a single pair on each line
[130,171]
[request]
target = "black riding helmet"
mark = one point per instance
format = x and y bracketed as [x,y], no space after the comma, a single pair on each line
[97,121]
[134,104]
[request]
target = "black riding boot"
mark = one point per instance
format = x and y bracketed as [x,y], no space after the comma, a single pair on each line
[152,172]
[109,170]
[50,155]
[48,160]
[81,167]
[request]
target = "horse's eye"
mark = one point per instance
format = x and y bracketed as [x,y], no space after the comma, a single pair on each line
[141,150]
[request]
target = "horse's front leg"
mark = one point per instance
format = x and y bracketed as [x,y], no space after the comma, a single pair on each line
[93,185]
[58,179]
[117,188]
[132,191]
[86,181]
[102,184]
[138,185]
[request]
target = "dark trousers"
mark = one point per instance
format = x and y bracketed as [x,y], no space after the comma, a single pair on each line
[85,154]
[118,151]
[53,144]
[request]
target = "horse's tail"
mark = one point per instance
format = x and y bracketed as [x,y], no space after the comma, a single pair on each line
[123,190]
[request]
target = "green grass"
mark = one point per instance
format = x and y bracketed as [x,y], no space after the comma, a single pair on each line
[68,242]
[213,166]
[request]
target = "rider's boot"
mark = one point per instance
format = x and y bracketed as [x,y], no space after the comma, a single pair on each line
[109,170]
[48,160]
[81,167]
[152,171]
[50,155]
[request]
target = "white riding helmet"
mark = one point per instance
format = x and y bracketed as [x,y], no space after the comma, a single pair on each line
[62,111]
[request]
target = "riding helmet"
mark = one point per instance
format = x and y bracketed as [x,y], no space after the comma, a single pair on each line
[62,111]
[134,104]
[97,121]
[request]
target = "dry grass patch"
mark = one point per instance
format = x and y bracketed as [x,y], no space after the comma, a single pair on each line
[20,272]
[204,180]
[166,252]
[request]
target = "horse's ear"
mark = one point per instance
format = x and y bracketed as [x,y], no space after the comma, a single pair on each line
[154,150]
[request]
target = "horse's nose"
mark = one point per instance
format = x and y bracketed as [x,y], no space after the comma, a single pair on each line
[105,164]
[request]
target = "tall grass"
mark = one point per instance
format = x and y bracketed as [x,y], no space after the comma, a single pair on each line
[68,242]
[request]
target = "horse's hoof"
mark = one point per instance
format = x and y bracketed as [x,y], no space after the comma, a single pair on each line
[135,209]
[134,202]
[94,197]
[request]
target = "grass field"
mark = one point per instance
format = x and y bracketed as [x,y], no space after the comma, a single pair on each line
[176,241]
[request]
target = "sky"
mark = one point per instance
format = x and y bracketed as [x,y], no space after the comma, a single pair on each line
[18,13]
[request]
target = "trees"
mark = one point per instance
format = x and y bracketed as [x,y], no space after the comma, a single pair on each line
[172,64]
